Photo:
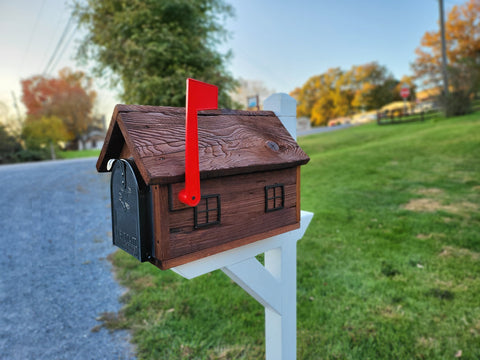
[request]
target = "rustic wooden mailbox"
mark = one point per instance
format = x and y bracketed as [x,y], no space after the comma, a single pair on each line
[249,171]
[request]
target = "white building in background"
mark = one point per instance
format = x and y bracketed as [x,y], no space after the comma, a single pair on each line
[93,140]
[95,136]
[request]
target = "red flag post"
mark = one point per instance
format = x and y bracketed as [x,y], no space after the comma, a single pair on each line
[200,96]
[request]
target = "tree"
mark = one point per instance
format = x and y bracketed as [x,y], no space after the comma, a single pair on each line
[43,132]
[463,54]
[327,103]
[150,47]
[12,123]
[69,97]
[338,93]
[373,86]
[9,146]
[318,98]
[4,113]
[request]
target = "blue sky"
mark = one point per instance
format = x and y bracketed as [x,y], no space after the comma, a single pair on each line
[285,42]
[281,43]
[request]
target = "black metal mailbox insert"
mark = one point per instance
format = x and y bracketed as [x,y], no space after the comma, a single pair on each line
[131,204]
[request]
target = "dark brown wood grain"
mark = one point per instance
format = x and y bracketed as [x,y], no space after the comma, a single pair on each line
[174,203]
[230,142]
[122,108]
[161,221]
[298,194]
[242,212]
[169,263]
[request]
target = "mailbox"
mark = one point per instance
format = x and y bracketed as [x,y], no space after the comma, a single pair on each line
[131,220]
[249,177]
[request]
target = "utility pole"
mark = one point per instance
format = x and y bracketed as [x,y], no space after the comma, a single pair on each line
[444,49]
[15,105]
[19,124]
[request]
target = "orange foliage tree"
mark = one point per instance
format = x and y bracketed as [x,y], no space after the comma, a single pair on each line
[317,97]
[338,93]
[462,33]
[69,97]
[372,85]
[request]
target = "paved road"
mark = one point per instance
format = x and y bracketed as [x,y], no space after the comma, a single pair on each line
[54,277]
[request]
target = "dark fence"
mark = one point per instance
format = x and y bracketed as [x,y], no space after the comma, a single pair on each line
[398,117]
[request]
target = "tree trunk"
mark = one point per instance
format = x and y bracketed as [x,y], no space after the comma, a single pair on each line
[52,151]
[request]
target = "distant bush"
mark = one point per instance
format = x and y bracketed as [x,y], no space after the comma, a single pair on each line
[11,150]
[32,155]
[456,103]
[9,147]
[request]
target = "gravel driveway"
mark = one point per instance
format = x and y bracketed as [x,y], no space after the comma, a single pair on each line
[55,235]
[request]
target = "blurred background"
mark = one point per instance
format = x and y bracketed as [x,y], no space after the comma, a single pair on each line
[343,61]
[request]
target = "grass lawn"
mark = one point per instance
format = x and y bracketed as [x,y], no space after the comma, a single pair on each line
[388,269]
[78,154]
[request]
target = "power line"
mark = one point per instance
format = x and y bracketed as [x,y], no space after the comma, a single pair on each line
[59,44]
[29,43]
[65,47]
[51,39]
[15,105]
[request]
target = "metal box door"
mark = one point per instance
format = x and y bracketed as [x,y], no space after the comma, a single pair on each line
[130,209]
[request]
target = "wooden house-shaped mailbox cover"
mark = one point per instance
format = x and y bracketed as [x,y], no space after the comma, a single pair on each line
[250,182]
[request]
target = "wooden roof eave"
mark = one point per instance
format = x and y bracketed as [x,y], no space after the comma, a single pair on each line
[118,136]
[113,144]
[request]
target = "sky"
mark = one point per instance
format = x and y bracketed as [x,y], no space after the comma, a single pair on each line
[278,42]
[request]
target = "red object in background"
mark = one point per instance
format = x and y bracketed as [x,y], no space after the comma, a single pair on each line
[200,96]
[404,92]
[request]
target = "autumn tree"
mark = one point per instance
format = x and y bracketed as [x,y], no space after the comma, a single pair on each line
[68,97]
[149,48]
[317,99]
[373,86]
[45,132]
[463,54]
[338,93]
[329,103]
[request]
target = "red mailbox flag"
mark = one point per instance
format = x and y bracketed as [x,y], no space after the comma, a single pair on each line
[200,96]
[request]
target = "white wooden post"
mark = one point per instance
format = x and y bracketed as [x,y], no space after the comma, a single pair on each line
[285,107]
[275,284]
[281,329]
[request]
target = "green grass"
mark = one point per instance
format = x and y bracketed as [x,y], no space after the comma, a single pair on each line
[388,269]
[74,154]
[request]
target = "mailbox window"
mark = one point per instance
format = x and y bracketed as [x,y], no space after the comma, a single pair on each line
[274,197]
[207,212]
